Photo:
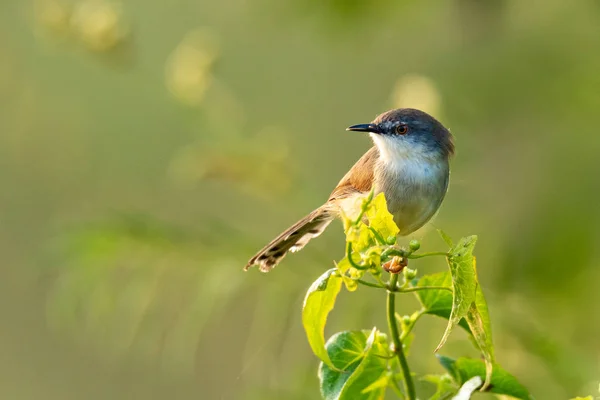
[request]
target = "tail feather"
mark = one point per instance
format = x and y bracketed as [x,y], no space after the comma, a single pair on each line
[293,239]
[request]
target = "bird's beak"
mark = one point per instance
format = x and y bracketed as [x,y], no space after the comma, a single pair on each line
[365,128]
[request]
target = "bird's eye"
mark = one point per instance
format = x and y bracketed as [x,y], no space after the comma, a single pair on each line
[402,129]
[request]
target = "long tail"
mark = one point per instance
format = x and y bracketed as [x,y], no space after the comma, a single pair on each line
[293,239]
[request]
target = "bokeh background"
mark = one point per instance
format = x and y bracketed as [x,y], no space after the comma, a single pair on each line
[149,148]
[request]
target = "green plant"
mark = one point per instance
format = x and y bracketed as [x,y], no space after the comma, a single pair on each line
[367,364]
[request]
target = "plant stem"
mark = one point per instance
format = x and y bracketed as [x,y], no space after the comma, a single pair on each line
[393,251]
[409,385]
[377,236]
[421,255]
[417,288]
[370,284]
[350,260]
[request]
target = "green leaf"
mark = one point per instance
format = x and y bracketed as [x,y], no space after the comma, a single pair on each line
[445,386]
[468,301]
[382,383]
[478,319]
[437,301]
[319,301]
[501,382]
[464,283]
[446,238]
[359,368]
[380,218]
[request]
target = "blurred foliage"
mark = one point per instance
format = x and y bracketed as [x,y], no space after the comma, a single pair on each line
[95,117]
[98,24]
[136,285]
[188,69]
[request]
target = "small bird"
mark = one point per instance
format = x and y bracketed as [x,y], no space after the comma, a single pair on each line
[409,163]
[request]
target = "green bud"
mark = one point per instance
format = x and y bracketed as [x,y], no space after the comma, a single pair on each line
[391,240]
[414,245]
[409,274]
[406,320]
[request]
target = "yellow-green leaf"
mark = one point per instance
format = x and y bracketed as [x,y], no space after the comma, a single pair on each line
[382,383]
[347,272]
[468,301]
[360,236]
[479,323]
[439,302]
[319,301]
[380,218]
[464,282]
[446,238]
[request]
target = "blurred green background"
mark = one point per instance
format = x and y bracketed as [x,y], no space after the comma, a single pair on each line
[148,149]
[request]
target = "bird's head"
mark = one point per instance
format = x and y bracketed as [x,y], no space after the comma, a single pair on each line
[406,132]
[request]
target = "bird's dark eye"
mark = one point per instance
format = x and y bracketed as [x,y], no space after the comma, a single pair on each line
[402,129]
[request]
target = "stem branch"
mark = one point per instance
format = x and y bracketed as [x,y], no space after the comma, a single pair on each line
[350,260]
[377,236]
[409,385]
[417,288]
[371,284]
[414,318]
[421,255]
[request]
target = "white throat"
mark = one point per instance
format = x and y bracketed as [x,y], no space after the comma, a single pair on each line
[393,151]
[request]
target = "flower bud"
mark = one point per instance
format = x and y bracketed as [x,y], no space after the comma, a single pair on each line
[414,245]
[409,274]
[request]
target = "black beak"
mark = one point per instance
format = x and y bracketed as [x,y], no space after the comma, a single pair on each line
[365,128]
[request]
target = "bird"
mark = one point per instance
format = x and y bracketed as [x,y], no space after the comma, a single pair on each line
[409,162]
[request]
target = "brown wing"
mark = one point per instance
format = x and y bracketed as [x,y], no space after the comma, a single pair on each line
[359,178]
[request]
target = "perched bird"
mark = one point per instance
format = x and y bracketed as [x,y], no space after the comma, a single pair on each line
[409,162]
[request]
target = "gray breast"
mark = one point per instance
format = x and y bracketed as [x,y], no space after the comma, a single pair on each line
[414,190]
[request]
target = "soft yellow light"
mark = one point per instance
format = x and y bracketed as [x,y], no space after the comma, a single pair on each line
[188,70]
[99,24]
[53,16]
[417,91]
